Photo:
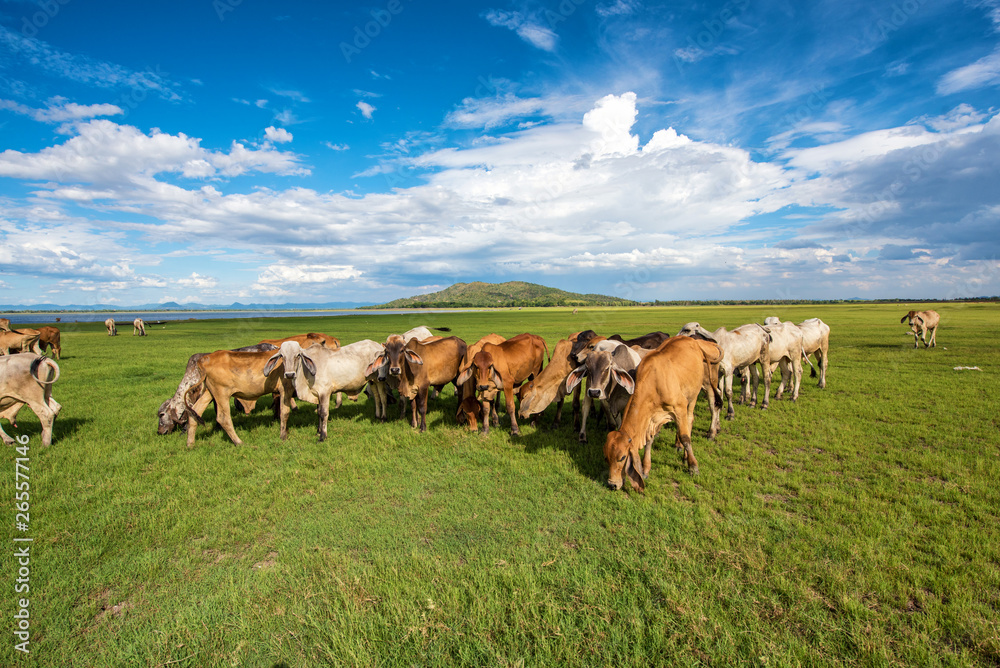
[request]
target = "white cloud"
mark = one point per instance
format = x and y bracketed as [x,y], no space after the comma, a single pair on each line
[197,281]
[531,31]
[277,135]
[34,53]
[366,109]
[984,72]
[60,111]
[336,147]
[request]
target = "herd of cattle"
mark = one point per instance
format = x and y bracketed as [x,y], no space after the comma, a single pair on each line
[639,384]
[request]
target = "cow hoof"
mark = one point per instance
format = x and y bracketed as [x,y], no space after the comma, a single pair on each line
[730,416]
[582,438]
[515,432]
[693,471]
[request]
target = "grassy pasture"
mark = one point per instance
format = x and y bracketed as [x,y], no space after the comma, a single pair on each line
[858,526]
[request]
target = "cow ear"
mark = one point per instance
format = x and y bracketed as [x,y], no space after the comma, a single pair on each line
[623,378]
[412,357]
[904,318]
[376,363]
[308,363]
[575,377]
[464,376]
[496,378]
[633,467]
[271,363]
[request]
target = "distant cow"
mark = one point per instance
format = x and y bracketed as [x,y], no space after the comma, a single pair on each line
[109,324]
[138,327]
[26,378]
[49,338]
[922,322]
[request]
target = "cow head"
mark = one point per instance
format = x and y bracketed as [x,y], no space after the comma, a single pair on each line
[484,374]
[622,455]
[603,372]
[908,317]
[171,416]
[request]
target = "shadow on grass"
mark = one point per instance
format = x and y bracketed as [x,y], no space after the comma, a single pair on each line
[64,428]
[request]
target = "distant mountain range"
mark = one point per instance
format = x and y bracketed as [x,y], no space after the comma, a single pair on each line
[174,306]
[493,295]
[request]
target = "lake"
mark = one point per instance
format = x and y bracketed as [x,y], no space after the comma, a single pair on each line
[152,316]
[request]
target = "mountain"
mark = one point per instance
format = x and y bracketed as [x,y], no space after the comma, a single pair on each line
[513,293]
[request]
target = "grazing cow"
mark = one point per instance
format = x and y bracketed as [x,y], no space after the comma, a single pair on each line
[138,327]
[503,367]
[49,338]
[4,324]
[306,340]
[785,350]
[549,385]
[469,409]
[109,324]
[173,412]
[610,378]
[317,372]
[743,347]
[20,341]
[667,385]
[922,322]
[26,378]
[225,375]
[413,367]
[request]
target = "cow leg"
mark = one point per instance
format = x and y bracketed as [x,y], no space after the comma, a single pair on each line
[728,390]
[822,366]
[46,416]
[487,411]
[576,407]
[685,421]
[225,420]
[10,413]
[585,402]
[765,370]
[797,372]
[420,406]
[933,343]
[508,392]
[324,415]
[340,400]
[286,410]
[199,409]
[745,397]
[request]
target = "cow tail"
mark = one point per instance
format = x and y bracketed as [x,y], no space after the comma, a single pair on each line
[37,363]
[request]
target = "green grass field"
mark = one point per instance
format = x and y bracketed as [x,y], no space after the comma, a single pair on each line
[856,527]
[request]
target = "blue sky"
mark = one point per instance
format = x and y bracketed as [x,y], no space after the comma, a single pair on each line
[227,150]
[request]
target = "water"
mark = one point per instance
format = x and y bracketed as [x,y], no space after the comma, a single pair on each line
[153,316]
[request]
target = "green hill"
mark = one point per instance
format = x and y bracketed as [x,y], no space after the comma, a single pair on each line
[513,293]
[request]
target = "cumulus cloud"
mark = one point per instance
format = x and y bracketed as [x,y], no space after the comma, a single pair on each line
[277,135]
[366,109]
[196,280]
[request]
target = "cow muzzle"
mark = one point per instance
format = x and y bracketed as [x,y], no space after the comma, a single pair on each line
[482,388]
[289,374]
[614,485]
[594,394]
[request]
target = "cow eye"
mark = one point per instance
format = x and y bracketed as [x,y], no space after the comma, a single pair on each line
[623,457]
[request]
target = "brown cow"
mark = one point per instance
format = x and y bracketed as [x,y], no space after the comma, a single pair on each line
[469,408]
[4,324]
[503,367]
[922,322]
[49,337]
[667,385]
[224,375]
[306,340]
[650,341]
[413,367]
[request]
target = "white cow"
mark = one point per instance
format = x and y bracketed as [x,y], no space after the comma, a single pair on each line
[26,378]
